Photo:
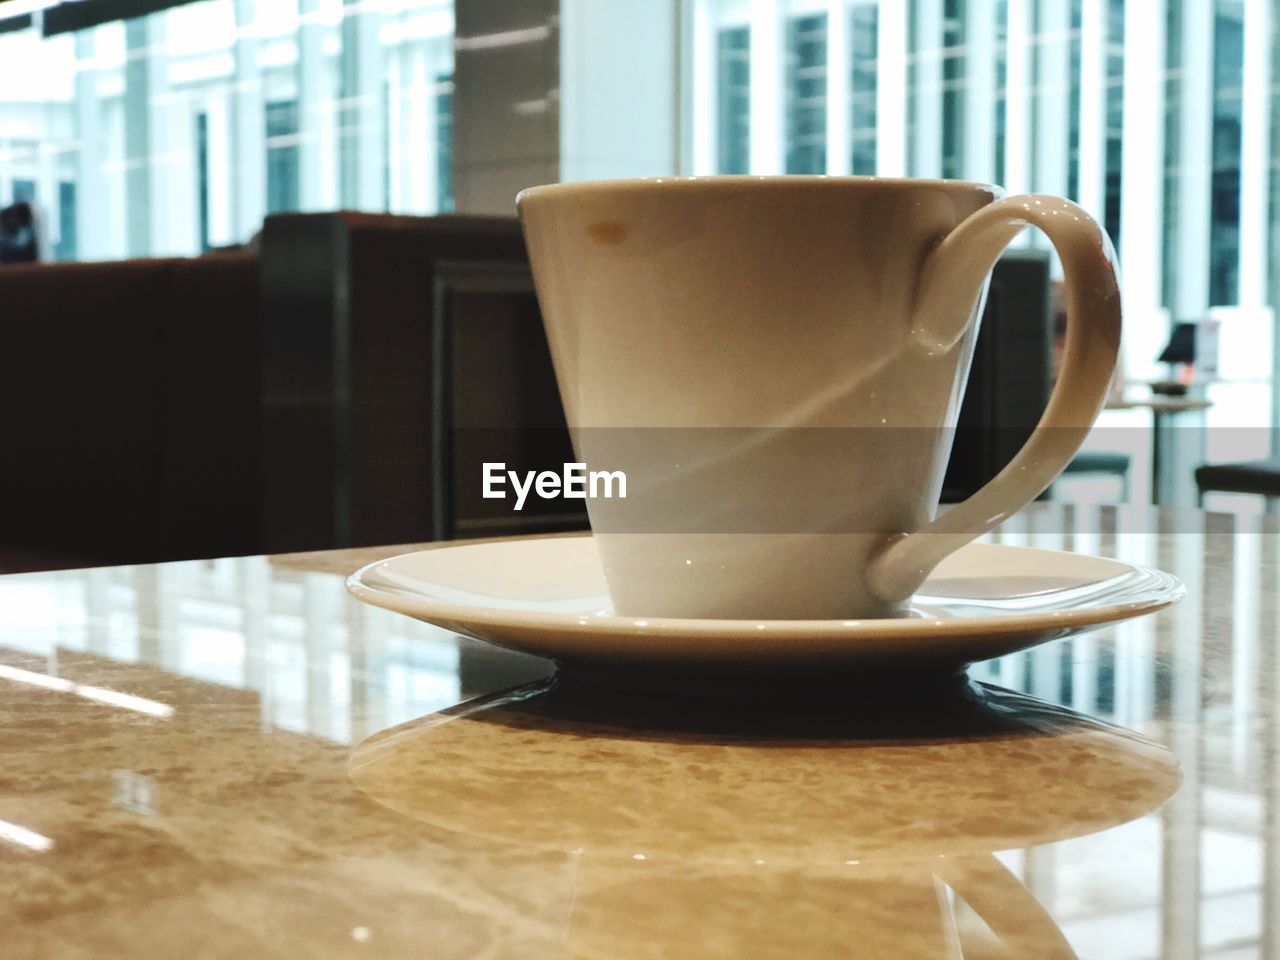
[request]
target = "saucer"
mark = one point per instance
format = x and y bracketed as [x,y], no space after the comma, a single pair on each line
[546,596]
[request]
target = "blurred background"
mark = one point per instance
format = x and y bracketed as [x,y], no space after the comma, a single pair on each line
[144,129]
[261,290]
[179,130]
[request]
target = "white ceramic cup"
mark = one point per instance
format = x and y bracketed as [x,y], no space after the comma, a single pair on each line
[768,309]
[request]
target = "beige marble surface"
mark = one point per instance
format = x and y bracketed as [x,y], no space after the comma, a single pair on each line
[231,758]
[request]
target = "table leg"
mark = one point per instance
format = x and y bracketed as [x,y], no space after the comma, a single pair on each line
[1157,457]
[1175,455]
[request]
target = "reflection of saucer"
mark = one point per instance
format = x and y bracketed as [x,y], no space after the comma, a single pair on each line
[621,777]
[692,829]
[547,596]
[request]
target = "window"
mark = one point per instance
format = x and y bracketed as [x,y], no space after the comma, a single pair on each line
[734,100]
[1115,116]
[1073,120]
[1001,55]
[1173,160]
[1060,98]
[1228,79]
[444,142]
[953,86]
[806,80]
[219,113]
[863,38]
[282,156]
[65,249]
[202,178]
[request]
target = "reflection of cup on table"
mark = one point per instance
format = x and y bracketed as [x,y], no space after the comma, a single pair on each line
[727,825]
[774,306]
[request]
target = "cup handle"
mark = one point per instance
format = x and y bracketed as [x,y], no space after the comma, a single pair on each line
[954,273]
[1011,911]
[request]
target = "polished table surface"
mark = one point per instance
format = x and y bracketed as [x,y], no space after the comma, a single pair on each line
[231,758]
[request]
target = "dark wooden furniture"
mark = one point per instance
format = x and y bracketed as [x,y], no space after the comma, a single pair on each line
[1010,377]
[398,354]
[1259,477]
[340,386]
[1105,462]
[322,390]
[129,410]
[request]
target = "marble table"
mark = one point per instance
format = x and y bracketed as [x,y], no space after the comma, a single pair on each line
[231,758]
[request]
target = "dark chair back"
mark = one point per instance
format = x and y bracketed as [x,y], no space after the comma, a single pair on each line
[1011,374]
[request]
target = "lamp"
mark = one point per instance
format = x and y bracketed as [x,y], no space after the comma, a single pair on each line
[1181,347]
[1180,351]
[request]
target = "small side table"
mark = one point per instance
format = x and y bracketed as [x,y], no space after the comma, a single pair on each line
[1171,468]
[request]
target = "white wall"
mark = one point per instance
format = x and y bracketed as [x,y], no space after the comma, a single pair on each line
[618,88]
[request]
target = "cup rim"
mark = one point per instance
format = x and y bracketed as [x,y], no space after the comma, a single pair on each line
[718,181]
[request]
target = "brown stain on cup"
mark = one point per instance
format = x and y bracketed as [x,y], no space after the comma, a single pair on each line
[607,232]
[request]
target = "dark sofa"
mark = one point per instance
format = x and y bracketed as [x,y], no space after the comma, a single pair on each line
[339,386]
[129,409]
[241,402]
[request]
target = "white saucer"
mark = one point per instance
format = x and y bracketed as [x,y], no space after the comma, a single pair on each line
[546,596]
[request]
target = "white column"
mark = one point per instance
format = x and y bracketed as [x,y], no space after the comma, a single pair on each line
[48,173]
[364,122]
[1052,118]
[700,61]
[926,132]
[1255,153]
[115,161]
[248,129]
[172,166]
[1092,194]
[222,191]
[6,173]
[1142,181]
[980,91]
[891,89]
[419,132]
[314,109]
[839,156]
[1194,191]
[1018,80]
[768,152]
[93,237]
[1272,293]
[440,75]
[137,137]
[1053,104]
[397,167]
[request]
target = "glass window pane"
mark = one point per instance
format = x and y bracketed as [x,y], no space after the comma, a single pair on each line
[733,88]
[806,93]
[222,112]
[863,83]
